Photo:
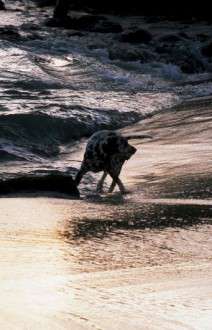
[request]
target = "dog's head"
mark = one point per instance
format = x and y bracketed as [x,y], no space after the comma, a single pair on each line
[125,148]
[130,151]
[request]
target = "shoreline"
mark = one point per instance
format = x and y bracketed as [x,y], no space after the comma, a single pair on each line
[106,262]
[144,258]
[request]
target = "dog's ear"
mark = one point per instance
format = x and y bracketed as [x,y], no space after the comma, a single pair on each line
[145,136]
[110,146]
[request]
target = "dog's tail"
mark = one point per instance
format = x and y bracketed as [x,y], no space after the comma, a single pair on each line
[145,136]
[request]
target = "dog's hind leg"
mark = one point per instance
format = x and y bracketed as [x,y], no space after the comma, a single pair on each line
[100,183]
[80,174]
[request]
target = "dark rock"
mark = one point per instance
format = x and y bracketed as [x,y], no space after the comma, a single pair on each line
[6,156]
[202,37]
[9,32]
[170,38]
[107,27]
[184,35]
[45,3]
[207,49]
[131,54]
[61,8]
[183,55]
[153,19]
[126,55]
[2,5]
[30,26]
[74,33]
[85,22]
[34,36]
[136,37]
[191,66]
[161,49]
[174,10]
[57,182]
[55,22]
[78,22]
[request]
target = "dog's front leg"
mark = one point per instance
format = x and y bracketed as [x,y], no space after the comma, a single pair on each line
[112,186]
[117,181]
[100,183]
[122,188]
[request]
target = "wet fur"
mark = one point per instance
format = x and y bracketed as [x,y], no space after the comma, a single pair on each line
[107,151]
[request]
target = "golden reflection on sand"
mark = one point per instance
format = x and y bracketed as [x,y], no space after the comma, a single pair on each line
[53,280]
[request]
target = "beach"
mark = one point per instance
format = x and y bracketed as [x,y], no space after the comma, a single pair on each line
[141,261]
[105,261]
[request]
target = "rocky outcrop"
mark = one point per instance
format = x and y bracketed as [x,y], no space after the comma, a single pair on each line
[56,182]
[86,22]
[131,53]
[207,49]
[10,33]
[170,38]
[107,26]
[61,8]
[2,5]
[172,11]
[177,50]
[140,36]
[45,3]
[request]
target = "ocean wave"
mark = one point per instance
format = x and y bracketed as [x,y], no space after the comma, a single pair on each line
[42,133]
[7,156]
[11,152]
[57,87]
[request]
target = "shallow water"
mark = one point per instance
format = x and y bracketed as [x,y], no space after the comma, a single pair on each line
[144,254]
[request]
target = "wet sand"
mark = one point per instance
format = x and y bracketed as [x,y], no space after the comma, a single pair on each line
[145,279]
[142,261]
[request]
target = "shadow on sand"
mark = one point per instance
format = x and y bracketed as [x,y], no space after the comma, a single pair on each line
[143,217]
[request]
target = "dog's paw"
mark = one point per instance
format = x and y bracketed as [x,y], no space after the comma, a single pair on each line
[125,192]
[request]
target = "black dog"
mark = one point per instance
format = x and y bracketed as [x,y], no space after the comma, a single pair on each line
[107,151]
